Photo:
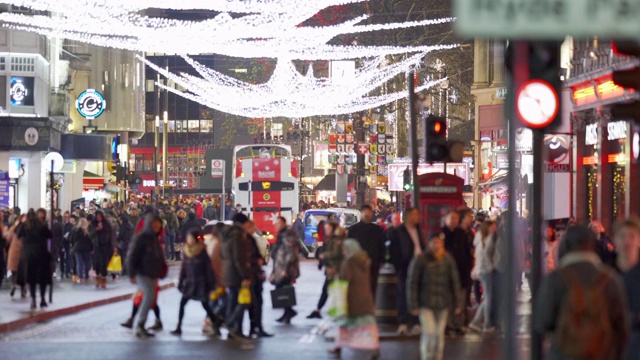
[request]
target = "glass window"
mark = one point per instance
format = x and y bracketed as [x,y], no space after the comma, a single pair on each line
[181,126]
[206,125]
[193,125]
[314,219]
[149,126]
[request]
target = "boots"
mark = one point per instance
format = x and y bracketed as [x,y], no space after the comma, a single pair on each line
[74,279]
[103,284]
[177,331]
[98,281]
[142,333]
[128,324]
[157,326]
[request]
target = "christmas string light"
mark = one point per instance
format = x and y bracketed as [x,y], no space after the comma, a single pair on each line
[289,93]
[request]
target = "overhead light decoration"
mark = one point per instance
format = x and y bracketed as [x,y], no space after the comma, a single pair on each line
[251,36]
[289,93]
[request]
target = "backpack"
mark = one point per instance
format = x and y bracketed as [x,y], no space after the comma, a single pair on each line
[584,329]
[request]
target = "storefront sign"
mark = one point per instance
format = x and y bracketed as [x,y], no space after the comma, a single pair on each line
[524,140]
[90,104]
[557,153]
[14,168]
[4,190]
[601,89]
[617,130]
[591,134]
[21,91]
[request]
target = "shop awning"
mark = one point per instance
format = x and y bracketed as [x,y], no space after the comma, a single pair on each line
[328,183]
[498,179]
[91,181]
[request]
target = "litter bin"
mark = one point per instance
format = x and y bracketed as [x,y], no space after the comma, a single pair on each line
[386,309]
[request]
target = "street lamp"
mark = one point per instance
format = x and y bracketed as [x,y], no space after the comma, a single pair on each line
[165,140]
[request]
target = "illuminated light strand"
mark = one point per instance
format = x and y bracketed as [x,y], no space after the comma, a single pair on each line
[224,35]
[289,93]
[235,6]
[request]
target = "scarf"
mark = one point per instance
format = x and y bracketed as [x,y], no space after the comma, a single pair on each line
[193,250]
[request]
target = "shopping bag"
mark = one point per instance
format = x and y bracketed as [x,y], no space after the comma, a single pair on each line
[215,295]
[283,297]
[244,296]
[337,292]
[364,337]
[115,264]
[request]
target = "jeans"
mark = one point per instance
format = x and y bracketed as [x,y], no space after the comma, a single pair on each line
[433,323]
[496,278]
[148,287]
[484,310]
[235,311]
[170,248]
[325,295]
[83,264]
[255,312]
[457,321]
[404,318]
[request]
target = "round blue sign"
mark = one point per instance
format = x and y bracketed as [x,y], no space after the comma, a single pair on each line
[90,104]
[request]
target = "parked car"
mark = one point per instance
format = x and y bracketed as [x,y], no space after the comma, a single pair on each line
[345,217]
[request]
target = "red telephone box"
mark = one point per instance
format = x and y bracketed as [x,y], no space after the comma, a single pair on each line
[439,192]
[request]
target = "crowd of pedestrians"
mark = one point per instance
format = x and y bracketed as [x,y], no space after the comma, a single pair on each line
[448,280]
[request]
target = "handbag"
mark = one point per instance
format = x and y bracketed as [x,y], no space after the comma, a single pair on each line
[244,296]
[337,298]
[283,297]
[115,264]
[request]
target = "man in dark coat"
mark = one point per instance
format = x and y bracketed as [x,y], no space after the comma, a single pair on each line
[457,245]
[236,262]
[372,240]
[605,249]
[580,259]
[406,241]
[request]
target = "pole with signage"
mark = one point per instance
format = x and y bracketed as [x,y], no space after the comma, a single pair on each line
[415,195]
[56,162]
[155,146]
[218,172]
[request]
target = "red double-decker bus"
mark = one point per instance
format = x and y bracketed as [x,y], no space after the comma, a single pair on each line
[265,183]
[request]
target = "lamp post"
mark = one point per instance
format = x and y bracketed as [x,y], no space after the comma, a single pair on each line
[165,140]
[156,129]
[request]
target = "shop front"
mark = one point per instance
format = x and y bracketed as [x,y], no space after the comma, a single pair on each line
[604,176]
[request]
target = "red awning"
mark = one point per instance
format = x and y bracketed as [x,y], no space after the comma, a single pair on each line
[91,181]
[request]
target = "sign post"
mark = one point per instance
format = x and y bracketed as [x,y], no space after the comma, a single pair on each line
[217,172]
[56,162]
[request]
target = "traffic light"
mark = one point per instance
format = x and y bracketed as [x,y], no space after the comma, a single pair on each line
[406,179]
[629,79]
[436,139]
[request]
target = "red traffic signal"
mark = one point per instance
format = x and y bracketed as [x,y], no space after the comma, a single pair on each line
[436,126]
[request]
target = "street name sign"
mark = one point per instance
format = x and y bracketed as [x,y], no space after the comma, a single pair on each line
[548,19]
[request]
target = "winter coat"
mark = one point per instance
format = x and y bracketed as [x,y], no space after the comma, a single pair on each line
[372,239]
[554,289]
[298,227]
[457,245]
[196,279]
[81,241]
[210,213]
[482,263]
[35,254]
[15,251]
[236,256]
[125,234]
[357,271]
[214,250]
[145,255]
[333,256]
[286,266]
[57,237]
[632,284]
[432,284]
[171,222]
[402,248]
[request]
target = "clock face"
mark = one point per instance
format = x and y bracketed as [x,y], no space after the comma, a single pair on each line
[537,104]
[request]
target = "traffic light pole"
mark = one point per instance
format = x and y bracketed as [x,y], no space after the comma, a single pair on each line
[361,185]
[415,195]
